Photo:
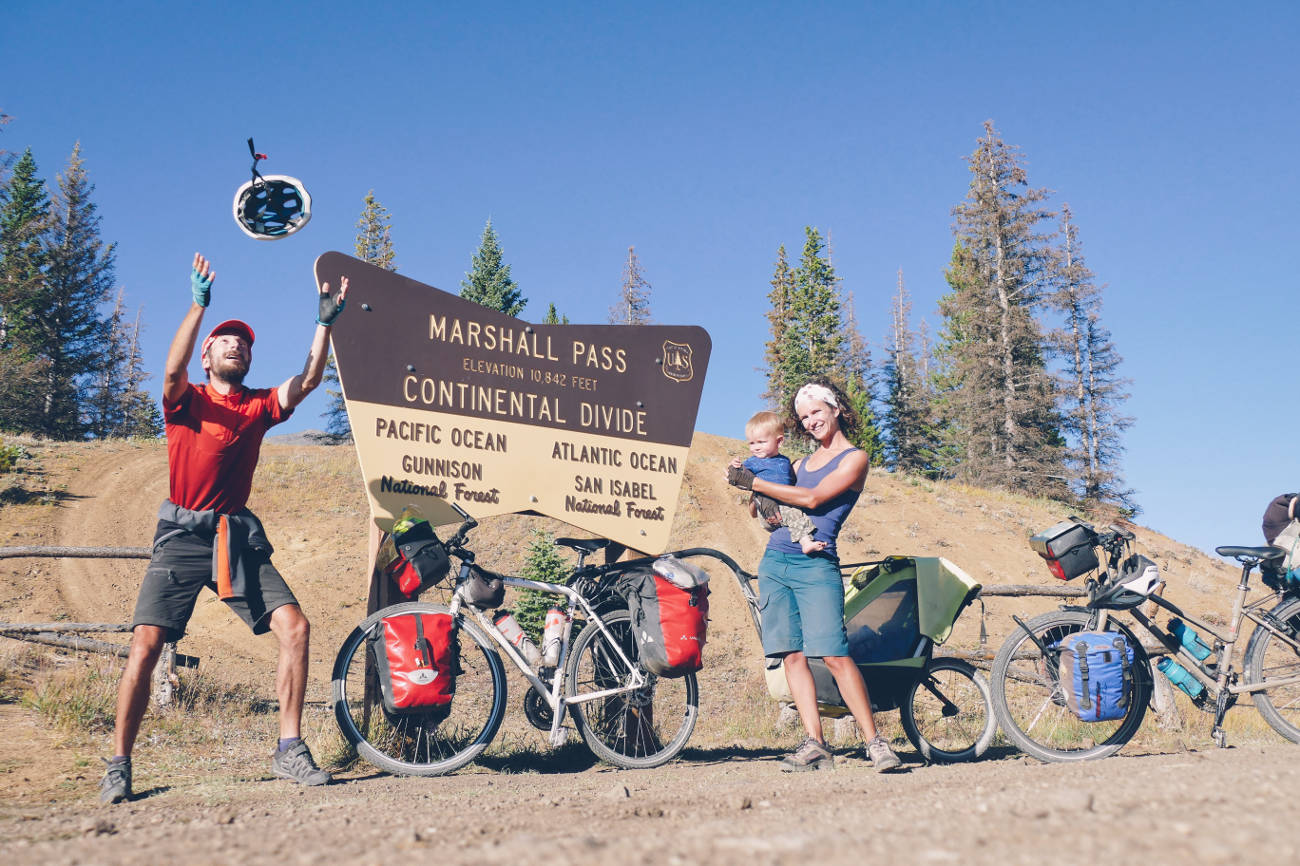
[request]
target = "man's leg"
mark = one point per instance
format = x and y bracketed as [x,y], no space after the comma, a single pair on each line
[292,630]
[134,687]
[132,700]
[293,760]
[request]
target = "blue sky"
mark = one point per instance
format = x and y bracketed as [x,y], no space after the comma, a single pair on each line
[706,135]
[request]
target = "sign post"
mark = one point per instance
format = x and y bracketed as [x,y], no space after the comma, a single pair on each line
[450,401]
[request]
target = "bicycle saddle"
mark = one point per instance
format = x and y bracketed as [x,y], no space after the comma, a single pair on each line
[586,545]
[1258,553]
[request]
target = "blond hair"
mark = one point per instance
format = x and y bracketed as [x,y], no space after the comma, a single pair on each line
[765,422]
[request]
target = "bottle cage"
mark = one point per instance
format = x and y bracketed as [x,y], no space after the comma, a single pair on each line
[271,207]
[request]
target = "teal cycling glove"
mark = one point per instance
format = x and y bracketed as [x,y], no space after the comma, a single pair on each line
[201,286]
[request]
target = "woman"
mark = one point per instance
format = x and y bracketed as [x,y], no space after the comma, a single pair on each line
[801,595]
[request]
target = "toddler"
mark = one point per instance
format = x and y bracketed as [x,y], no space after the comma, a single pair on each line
[764,434]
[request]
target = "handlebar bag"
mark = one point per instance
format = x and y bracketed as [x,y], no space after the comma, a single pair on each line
[1096,674]
[484,589]
[670,623]
[416,658]
[421,559]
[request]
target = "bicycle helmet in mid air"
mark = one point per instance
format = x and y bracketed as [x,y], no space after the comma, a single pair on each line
[273,206]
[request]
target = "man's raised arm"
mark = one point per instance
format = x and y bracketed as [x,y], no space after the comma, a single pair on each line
[297,387]
[175,374]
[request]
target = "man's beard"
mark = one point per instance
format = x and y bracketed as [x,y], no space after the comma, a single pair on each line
[230,371]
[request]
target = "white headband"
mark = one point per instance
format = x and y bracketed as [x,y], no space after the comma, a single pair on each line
[813,391]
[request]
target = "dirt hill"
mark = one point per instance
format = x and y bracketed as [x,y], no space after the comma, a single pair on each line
[208,796]
[312,502]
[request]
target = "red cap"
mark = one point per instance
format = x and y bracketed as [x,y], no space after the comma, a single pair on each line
[230,326]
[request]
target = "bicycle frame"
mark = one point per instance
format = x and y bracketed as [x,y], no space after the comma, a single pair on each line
[1217,682]
[556,693]
[1220,680]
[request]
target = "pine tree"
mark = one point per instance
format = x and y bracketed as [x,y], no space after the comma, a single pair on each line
[24,218]
[805,321]
[633,307]
[488,281]
[118,404]
[1094,388]
[778,320]
[553,317]
[104,411]
[374,245]
[140,412]
[815,313]
[78,278]
[906,418]
[543,563]
[1001,400]
[858,374]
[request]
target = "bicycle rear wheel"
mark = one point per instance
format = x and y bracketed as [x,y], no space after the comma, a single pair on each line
[422,744]
[1030,703]
[948,712]
[634,730]
[1268,656]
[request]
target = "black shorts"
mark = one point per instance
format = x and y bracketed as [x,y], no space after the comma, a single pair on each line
[181,566]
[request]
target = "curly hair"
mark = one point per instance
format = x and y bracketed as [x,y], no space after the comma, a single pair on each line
[848,419]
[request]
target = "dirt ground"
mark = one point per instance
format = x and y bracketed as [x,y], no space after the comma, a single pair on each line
[207,795]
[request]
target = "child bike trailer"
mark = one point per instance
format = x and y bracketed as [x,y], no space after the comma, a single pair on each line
[896,611]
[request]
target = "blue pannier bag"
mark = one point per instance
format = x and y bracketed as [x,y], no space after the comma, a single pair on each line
[1096,674]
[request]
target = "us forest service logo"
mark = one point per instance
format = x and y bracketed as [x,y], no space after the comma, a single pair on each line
[451,402]
[677,361]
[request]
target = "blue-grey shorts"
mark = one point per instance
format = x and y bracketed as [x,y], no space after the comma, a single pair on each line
[801,603]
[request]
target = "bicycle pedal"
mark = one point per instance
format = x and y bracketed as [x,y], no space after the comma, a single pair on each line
[559,737]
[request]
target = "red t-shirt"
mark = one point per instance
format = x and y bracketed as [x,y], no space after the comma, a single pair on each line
[213,442]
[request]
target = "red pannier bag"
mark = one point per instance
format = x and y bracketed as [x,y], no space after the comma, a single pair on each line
[416,658]
[670,621]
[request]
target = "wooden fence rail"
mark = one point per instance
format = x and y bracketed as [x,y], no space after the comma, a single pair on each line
[55,634]
[77,552]
[165,678]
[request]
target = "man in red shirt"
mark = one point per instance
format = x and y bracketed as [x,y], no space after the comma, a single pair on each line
[206,535]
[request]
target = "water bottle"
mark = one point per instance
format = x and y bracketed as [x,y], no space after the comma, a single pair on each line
[1189,639]
[552,637]
[509,627]
[1179,676]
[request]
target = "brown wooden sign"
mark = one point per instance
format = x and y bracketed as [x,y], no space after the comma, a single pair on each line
[452,402]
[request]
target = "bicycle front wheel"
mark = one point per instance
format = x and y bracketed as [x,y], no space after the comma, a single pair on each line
[1030,703]
[421,744]
[1270,657]
[948,712]
[637,729]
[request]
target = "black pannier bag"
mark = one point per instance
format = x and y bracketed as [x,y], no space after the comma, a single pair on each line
[421,559]
[1069,548]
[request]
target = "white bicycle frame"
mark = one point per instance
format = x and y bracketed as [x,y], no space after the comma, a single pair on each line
[556,693]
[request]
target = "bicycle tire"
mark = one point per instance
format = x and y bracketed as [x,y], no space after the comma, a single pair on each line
[1030,705]
[429,744]
[948,712]
[635,730]
[1267,656]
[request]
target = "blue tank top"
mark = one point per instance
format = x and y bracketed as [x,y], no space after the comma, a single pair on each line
[827,518]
